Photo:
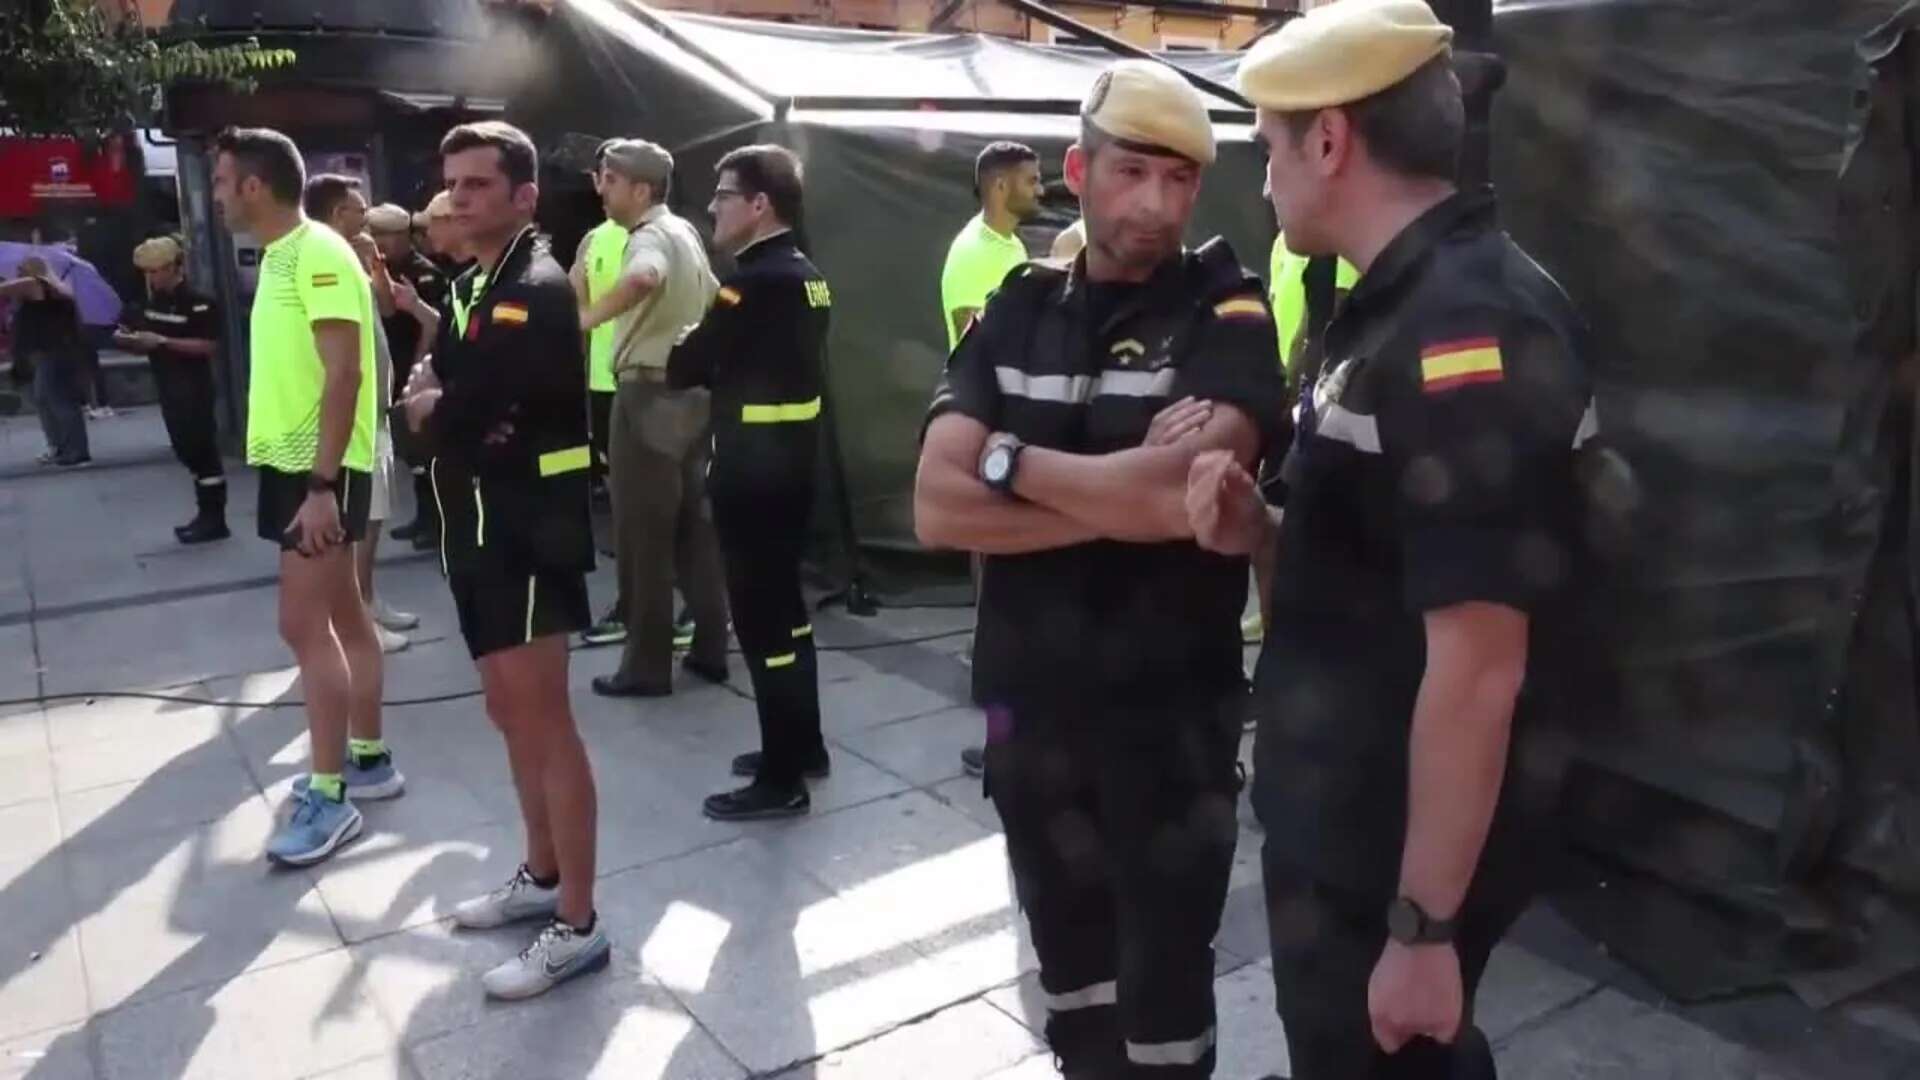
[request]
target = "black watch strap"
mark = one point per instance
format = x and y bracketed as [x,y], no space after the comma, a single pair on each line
[1409,924]
[317,483]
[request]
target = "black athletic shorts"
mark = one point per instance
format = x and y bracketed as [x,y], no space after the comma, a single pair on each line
[281,494]
[499,611]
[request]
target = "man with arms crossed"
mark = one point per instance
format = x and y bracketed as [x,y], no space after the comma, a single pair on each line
[310,430]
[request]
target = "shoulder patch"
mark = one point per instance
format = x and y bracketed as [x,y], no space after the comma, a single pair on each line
[1447,365]
[727,295]
[1247,308]
[506,314]
[818,294]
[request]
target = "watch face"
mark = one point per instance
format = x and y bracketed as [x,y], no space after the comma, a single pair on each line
[1403,921]
[997,464]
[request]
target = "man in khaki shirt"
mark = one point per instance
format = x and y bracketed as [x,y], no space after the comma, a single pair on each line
[659,442]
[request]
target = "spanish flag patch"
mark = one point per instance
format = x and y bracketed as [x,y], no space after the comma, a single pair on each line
[1450,364]
[510,314]
[1241,307]
[321,281]
[727,295]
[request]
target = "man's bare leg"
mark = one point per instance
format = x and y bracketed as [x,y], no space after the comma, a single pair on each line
[360,642]
[363,556]
[307,590]
[549,763]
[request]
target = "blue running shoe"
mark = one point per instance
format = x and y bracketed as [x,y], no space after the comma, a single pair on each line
[318,827]
[366,778]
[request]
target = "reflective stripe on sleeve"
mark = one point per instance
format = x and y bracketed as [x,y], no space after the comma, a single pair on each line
[572,459]
[780,414]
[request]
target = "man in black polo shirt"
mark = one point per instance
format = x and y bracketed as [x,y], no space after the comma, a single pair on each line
[178,330]
[1418,566]
[1108,650]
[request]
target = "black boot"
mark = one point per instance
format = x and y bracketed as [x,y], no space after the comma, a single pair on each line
[424,530]
[211,523]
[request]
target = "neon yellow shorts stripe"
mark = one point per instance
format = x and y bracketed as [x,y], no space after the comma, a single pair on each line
[780,414]
[572,459]
[783,660]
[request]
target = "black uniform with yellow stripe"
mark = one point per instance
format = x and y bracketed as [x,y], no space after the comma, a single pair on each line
[185,387]
[1111,672]
[510,452]
[760,349]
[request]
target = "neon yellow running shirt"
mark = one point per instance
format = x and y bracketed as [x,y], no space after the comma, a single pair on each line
[309,275]
[606,254]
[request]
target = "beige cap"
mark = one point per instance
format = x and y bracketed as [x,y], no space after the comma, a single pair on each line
[1141,101]
[388,218]
[441,205]
[157,253]
[1068,243]
[637,160]
[1341,53]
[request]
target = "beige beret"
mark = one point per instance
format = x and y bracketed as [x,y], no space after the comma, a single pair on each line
[637,160]
[441,205]
[1141,101]
[1340,53]
[158,253]
[1068,243]
[389,218]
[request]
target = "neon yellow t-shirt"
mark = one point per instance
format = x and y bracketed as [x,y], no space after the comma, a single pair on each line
[977,262]
[1287,288]
[606,254]
[306,276]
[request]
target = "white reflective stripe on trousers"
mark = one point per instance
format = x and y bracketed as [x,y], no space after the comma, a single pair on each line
[1087,997]
[1589,427]
[1184,1052]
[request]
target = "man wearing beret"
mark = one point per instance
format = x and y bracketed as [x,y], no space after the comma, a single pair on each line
[1419,565]
[1107,655]
[177,329]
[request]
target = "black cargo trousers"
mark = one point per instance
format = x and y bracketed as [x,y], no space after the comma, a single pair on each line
[1120,824]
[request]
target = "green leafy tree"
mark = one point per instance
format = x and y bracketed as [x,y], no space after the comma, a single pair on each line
[87,67]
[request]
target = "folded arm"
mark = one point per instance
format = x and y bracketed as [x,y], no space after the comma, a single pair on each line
[953,508]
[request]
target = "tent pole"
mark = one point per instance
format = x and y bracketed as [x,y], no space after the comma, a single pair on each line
[1050,17]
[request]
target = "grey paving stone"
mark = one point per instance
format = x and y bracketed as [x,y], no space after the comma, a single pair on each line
[924,751]
[164,914]
[1520,987]
[1022,1002]
[965,794]
[142,646]
[75,722]
[1252,1041]
[47,986]
[391,1066]
[171,803]
[867,702]
[386,882]
[1037,1067]
[1612,1037]
[426,979]
[290,1021]
[28,832]
[25,776]
[777,968]
[161,753]
[1243,925]
[967,1042]
[57,1054]
[19,669]
[23,730]
[608,1026]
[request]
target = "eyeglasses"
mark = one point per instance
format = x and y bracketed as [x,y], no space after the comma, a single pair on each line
[728,193]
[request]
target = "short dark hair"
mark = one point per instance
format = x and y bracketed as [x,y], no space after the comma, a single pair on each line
[1414,127]
[518,159]
[998,157]
[326,192]
[773,171]
[267,155]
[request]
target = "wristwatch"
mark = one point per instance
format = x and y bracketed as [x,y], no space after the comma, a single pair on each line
[1409,924]
[317,484]
[999,464]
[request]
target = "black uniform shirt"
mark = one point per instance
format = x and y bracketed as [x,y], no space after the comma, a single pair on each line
[403,330]
[182,313]
[1432,466]
[510,431]
[760,348]
[1059,364]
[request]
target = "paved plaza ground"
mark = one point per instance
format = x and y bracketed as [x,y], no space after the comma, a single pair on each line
[142,936]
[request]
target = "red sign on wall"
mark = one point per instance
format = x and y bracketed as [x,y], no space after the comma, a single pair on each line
[39,174]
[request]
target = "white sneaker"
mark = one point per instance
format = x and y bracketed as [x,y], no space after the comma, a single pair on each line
[393,620]
[391,642]
[520,898]
[558,954]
